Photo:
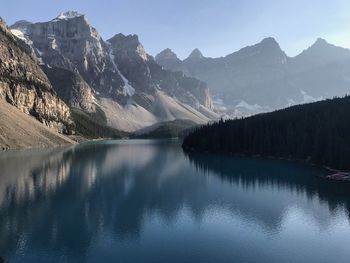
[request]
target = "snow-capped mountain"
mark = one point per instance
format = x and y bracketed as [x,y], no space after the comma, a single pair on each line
[262,77]
[115,78]
[70,42]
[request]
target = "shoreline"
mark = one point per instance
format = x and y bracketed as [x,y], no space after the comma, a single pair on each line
[77,141]
[335,174]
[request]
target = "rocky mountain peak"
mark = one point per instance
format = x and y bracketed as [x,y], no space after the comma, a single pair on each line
[169,60]
[70,42]
[125,40]
[323,52]
[269,44]
[321,41]
[269,41]
[267,52]
[129,44]
[195,55]
[321,44]
[166,54]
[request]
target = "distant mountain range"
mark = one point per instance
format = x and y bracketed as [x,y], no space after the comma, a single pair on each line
[262,77]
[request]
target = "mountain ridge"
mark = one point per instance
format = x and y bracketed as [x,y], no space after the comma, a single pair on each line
[265,76]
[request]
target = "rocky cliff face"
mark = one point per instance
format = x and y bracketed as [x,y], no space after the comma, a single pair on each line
[72,88]
[169,60]
[145,75]
[24,84]
[70,42]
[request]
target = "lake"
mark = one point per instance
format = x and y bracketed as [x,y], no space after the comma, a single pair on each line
[148,201]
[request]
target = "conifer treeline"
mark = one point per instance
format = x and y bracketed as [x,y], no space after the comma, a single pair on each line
[318,132]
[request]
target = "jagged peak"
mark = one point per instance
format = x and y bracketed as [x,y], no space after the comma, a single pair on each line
[130,43]
[123,39]
[196,54]
[321,45]
[269,42]
[167,54]
[321,41]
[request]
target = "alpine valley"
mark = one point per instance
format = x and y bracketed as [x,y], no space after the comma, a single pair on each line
[63,73]
[61,78]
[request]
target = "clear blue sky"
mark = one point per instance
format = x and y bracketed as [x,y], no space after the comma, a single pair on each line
[216,27]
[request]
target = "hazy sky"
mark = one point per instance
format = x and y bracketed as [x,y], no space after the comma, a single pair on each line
[216,27]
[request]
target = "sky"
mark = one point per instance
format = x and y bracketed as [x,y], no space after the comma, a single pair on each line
[216,27]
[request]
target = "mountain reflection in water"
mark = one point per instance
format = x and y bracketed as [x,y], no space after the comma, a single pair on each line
[105,199]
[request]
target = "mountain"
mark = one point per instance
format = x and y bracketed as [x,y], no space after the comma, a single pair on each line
[146,76]
[315,132]
[196,55]
[116,79]
[20,130]
[70,42]
[24,85]
[31,112]
[321,53]
[169,60]
[262,77]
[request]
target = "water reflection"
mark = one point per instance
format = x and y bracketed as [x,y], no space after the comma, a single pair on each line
[59,204]
[276,175]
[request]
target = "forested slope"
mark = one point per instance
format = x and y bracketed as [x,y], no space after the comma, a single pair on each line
[316,132]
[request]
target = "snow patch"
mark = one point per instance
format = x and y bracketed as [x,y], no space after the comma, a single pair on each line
[127,87]
[67,15]
[39,52]
[39,55]
[21,35]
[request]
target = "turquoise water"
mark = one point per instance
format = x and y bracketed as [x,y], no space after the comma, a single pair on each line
[148,201]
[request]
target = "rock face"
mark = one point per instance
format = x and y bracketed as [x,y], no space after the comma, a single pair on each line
[70,42]
[169,60]
[24,84]
[262,77]
[19,130]
[146,76]
[72,88]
